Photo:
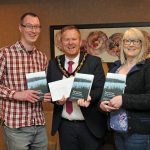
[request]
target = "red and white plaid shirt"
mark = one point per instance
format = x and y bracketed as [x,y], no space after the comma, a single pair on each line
[15,62]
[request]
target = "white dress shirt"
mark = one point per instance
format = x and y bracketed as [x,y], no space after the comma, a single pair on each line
[76,114]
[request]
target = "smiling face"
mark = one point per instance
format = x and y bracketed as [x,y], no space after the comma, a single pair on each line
[132,47]
[71,43]
[30,30]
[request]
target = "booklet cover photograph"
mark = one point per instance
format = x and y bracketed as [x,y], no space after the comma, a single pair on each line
[114,85]
[37,81]
[81,86]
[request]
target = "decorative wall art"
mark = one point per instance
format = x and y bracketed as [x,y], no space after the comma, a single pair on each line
[102,40]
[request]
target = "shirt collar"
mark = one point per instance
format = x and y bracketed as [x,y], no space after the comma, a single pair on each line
[75,60]
[20,47]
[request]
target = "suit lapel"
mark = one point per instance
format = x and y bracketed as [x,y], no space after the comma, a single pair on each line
[80,58]
[62,61]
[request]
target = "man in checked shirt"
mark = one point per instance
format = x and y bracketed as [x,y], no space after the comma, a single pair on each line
[23,119]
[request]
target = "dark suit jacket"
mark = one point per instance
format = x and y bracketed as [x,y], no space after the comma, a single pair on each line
[136,97]
[95,120]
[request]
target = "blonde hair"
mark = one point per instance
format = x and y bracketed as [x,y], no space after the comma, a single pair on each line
[135,34]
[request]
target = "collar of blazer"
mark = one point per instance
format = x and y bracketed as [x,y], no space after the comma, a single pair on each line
[65,72]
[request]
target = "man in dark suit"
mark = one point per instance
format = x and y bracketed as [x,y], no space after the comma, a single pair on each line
[84,127]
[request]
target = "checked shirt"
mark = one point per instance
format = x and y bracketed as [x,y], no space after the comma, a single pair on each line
[15,62]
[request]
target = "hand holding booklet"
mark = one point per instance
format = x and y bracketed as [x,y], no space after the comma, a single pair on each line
[72,88]
[115,85]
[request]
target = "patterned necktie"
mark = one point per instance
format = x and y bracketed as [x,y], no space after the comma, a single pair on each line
[69,107]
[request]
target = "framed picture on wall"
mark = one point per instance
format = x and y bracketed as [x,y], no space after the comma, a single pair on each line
[102,40]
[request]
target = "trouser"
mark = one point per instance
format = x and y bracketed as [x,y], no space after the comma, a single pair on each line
[75,135]
[26,138]
[126,141]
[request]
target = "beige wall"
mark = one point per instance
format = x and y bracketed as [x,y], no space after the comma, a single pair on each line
[57,12]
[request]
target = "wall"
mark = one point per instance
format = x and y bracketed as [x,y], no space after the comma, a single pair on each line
[56,12]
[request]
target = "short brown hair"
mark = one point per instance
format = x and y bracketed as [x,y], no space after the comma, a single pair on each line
[70,27]
[28,14]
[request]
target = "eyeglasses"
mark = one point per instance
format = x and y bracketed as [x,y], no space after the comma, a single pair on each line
[30,26]
[135,42]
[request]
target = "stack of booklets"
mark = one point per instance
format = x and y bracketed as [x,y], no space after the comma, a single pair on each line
[73,88]
[37,81]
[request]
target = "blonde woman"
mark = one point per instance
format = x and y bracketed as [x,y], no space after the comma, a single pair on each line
[136,98]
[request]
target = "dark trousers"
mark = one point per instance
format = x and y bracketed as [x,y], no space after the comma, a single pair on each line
[74,135]
[134,141]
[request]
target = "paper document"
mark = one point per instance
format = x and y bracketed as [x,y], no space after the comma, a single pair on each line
[60,88]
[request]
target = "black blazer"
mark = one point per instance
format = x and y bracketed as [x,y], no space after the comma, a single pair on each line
[136,97]
[95,120]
